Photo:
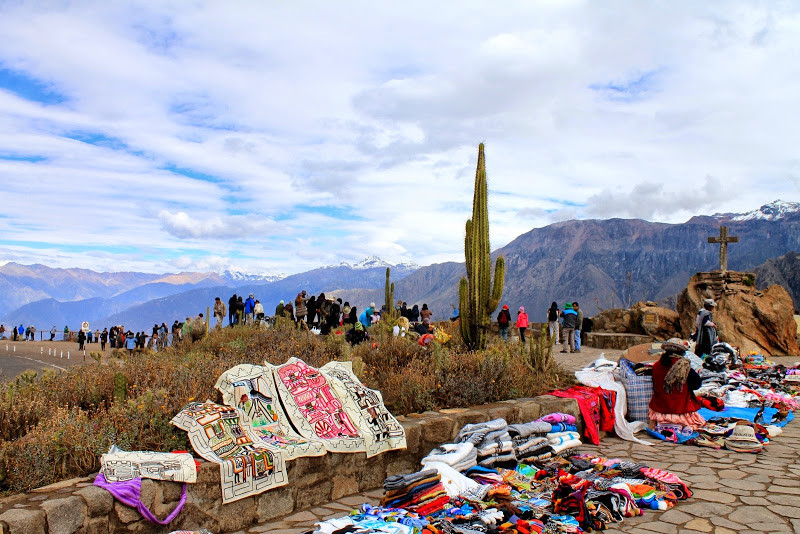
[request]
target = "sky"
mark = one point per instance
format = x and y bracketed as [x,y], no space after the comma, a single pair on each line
[277,137]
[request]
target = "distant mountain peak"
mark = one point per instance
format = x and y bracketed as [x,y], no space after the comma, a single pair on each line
[371,262]
[769,212]
[238,276]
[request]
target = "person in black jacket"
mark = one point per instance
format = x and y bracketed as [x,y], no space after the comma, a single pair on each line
[232,309]
[503,320]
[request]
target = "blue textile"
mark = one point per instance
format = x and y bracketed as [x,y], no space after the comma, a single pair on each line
[680,438]
[744,413]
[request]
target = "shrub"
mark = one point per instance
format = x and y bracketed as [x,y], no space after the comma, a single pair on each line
[56,426]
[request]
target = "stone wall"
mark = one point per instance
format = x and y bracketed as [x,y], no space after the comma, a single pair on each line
[77,507]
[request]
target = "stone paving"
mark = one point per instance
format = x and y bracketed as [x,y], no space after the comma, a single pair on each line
[734,493]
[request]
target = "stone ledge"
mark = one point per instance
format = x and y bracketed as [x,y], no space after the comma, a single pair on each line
[312,482]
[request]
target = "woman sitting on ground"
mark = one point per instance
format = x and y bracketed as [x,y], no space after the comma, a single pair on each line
[674,383]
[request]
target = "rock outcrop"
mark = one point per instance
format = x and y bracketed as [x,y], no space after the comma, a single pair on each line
[746,317]
[643,318]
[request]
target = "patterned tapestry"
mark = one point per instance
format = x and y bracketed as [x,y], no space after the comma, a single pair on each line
[221,434]
[314,409]
[379,429]
[118,466]
[251,388]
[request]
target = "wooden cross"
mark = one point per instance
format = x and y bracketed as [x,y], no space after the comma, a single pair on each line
[723,241]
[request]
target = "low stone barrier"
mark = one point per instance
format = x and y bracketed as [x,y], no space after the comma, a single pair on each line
[610,340]
[77,507]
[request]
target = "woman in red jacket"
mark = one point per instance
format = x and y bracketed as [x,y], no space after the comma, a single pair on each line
[674,382]
[522,323]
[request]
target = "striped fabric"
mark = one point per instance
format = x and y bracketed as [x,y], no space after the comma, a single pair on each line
[639,390]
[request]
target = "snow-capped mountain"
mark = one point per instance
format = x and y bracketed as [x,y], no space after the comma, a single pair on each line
[370,262]
[238,276]
[769,212]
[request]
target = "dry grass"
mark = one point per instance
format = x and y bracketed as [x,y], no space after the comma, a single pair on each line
[56,426]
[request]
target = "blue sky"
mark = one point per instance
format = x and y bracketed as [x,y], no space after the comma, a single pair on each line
[275,138]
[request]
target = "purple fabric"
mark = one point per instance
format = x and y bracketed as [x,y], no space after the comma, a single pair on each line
[129,493]
[558,418]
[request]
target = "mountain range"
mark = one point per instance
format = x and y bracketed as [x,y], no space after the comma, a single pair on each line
[601,263]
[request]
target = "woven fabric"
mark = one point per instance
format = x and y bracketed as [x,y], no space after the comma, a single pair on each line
[639,390]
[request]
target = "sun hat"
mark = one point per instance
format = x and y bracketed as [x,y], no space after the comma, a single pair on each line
[674,344]
[522,309]
[568,306]
[743,439]
[371,304]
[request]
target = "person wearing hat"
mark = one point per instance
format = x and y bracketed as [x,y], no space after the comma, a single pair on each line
[522,323]
[569,326]
[503,320]
[674,383]
[706,328]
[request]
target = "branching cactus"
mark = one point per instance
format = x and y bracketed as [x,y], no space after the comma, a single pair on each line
[389,295]
[478,294]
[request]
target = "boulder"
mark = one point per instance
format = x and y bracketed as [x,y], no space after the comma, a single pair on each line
[746,317]
[643,318]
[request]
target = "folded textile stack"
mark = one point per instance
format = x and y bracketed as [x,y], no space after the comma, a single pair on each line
[459,456]
[422,492]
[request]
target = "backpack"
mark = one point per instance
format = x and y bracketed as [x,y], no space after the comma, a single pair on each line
[552,314]
[503,318]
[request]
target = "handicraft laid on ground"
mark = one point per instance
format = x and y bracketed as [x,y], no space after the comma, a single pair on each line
[223,435]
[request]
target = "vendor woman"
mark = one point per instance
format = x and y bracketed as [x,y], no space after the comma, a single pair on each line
[674,382]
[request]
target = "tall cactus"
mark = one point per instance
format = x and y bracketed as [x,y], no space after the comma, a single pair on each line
[389,296]
[478,296]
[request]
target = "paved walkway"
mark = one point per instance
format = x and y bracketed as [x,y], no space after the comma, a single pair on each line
[734,493]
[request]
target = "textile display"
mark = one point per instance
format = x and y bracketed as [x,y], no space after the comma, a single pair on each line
[251,388]
[573,492]
[379,429]
[639,390]
[118,466]
[597,409]
[224,435]
[129,493]
[314,408]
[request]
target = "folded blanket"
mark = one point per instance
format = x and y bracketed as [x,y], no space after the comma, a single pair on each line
[459,456]
[558,417]
[527,429]
[401,481]
[473,431]
[454,483]
[500,447]
[567,445]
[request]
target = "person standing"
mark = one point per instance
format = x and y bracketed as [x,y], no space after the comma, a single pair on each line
[21,332]
[3,332]
[279,310]
[503,320]
[81,339]
[66,333]
[552,321]
[103,339]
[578,326]
[300,309]
[249,309]
[522,323]
[706,328]
[219,312]
[258,310]
[425,313]
[231,310]
[570,321]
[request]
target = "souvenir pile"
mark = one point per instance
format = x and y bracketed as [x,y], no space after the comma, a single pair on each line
[523,478]
[745,401]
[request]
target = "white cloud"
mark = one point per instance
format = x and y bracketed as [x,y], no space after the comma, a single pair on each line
[278,137]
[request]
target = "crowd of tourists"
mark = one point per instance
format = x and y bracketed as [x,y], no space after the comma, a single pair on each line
[565,326]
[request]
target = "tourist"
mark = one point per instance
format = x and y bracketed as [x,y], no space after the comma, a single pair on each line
[163,335]
[311,311]
[103,339]
[522,323]
[300,309]
[413,315]
[81,339]
[239,311]
[553,314]
[66,333]
[258,310]
[88,336]
[404,310]
[97,335]
[346,313]
[130,342]
[357,334]
[249,309]
[231,310]
[578,326]
[219,312]
[279,310]
[424,327]
[425,313]
[570,318]
[705,328]
[353,317]
[21,332]
[503,320]
[3,332]
[674,382]
[288,311]
[13,333]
